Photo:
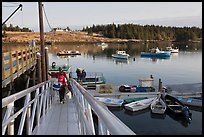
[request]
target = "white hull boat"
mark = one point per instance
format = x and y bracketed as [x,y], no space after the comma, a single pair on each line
[121,54]
[112,102]
[158,106]
[139,105]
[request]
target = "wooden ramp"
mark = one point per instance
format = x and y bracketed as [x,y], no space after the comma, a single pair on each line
[61,119]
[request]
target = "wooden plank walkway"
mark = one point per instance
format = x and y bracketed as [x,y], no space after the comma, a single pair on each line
[61,119]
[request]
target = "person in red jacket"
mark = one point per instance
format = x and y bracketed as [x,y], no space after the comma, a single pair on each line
[61,76]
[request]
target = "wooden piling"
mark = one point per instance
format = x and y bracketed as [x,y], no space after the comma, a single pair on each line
[39,68]
[160,86]
[46,62]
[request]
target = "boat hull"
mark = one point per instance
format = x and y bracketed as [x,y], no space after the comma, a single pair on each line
[158,106]
[158,55]
[176,107]
[120,56]
[111,102]
[139,105]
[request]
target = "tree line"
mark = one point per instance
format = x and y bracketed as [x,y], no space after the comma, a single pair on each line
[146,32]
[14,28]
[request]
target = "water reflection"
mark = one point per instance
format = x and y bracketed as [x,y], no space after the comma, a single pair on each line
[157,116]
[180,119]
[136,113]
[120,61]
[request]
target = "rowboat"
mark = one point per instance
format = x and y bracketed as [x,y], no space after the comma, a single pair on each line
[139,105]
[176,107]
[191,101]
[112,102]
[121,54]
[129,100]
[158,106]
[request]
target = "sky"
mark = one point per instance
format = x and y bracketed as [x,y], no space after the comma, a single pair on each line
[77,15]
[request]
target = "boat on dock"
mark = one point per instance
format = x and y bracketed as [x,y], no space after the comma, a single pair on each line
[69,52]
[156,53]
[139,105]
[121,54]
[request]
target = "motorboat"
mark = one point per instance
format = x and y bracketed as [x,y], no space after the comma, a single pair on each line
[155,52]
[121,54]
[176,107]
[172,50]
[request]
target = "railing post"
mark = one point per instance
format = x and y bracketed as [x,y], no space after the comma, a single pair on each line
[11,125]
[37,108]
[11,65]
[17,63]
[28,114]
[3,69]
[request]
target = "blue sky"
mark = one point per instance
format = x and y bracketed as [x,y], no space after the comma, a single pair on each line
[80,14]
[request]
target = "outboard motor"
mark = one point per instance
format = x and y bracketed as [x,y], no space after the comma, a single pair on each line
[187,113]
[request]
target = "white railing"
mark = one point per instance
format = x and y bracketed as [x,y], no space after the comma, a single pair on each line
[31,112]
[108,123]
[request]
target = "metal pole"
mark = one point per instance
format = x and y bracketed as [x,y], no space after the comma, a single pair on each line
[42,42]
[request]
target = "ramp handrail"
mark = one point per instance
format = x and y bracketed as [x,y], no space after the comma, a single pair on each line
[31,110]
[108,123]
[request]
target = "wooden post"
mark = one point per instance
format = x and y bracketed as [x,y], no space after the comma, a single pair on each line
[160,86]
[42,42]
[46,62]
[39,68]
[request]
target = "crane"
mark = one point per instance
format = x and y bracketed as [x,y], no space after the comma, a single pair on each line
[20,6]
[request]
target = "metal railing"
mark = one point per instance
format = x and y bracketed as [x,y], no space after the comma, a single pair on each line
[35,109]
[31,112]
[108,123]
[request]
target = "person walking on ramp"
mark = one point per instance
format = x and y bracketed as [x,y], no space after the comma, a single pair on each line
[62,81]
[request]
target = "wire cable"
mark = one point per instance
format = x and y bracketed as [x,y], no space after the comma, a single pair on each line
[46,18]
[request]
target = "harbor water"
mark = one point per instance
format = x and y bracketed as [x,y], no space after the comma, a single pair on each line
[184,67]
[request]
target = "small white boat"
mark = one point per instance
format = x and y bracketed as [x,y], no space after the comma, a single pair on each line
[139,105]
[69,52]
[172,50]
[121,54]
[113,102]
[103,45]
[158,106]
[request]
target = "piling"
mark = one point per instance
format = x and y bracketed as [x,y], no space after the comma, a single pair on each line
[39,68]
[46,62]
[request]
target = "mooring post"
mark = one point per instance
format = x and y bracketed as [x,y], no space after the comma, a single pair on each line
[39,68]
[160,86]
[46,62]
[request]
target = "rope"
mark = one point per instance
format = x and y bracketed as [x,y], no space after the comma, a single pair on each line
[46,18]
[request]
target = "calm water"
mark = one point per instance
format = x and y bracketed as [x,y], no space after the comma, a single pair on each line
[182,68]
